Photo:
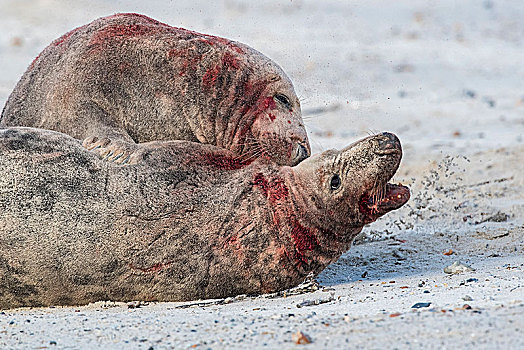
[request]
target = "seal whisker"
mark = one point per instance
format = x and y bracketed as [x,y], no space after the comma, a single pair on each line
[302,99]
[253,156]
[249,148]
[248,143]
[254,153]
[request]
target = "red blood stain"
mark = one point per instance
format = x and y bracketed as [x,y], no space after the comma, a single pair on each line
[209,79]
[176,52]
[271,116]
[261,182]
[64,37]
[121,31]
[251,90]
[289,121]
[234,243]
[191,60]
[269,103]
[277,193]
[224,162]
[246,108]
[230,61]
[364,207]
[233,240]
[304,238]
[215,40]
[155,268]
[250,100]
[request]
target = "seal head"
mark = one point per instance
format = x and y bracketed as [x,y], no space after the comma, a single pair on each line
[278,131]
[341,191]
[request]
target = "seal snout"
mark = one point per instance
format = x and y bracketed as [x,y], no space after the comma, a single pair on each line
[298,144]
[301,153]
[388,143]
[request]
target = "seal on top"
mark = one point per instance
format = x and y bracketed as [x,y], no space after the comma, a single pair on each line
[127,79]
[188,221]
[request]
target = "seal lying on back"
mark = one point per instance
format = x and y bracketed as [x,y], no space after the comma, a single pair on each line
[128,79]
[180,224]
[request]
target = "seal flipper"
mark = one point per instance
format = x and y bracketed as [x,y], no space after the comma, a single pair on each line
[116,151]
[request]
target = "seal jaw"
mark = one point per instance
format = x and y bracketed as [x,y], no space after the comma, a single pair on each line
[384,197]
[391,197]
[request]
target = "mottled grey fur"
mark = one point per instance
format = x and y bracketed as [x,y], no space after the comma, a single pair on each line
[187,221]
[128,79]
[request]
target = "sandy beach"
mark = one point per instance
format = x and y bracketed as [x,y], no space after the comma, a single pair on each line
[446,77]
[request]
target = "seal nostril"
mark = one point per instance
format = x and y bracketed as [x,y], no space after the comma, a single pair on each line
[305,150]
[387,141]
[301,153]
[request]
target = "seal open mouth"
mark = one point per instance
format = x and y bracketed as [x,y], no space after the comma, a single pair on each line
[383,200]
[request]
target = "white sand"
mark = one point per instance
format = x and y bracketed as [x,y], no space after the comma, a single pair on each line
[448,79]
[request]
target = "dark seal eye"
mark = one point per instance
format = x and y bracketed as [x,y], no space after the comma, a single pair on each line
[335,182]
[284,100]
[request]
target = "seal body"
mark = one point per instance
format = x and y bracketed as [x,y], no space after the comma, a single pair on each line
[188,221]
[128,79]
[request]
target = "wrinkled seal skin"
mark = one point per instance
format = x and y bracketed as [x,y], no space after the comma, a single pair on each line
[127,79]
[179,224]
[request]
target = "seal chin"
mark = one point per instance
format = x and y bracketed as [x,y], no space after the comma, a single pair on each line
[384,200]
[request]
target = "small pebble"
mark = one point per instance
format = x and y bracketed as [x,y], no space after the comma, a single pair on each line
[469,93]
[420,305]
[398,255]
[300,338]
[467,298]
[490,102]
[457,267]
[133,305]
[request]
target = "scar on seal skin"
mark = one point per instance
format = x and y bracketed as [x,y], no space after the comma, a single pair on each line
[127,79]
[188,221]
